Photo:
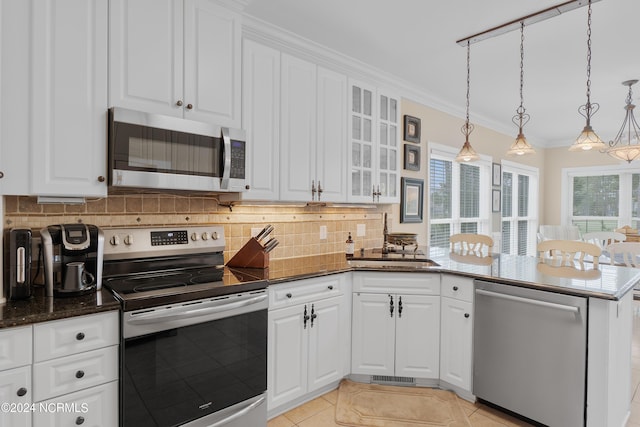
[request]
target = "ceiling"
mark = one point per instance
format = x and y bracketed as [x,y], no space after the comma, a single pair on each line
[415,40]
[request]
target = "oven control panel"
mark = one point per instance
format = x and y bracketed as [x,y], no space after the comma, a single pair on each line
[158,241]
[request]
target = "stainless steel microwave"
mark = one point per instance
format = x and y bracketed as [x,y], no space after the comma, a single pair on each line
[159,152]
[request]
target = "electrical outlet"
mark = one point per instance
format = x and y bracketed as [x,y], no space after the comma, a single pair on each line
[323,232]
[255,231]
[360,230]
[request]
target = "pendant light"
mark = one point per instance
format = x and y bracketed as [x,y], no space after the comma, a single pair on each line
[467,153]
[626,145]
[588,139]
[520,146]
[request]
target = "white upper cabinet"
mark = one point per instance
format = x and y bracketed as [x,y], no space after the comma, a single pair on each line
[374,144]
[176,57]
[261,119]
[53,97]
[313,132]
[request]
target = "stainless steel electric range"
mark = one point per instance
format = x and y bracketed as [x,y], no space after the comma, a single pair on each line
[194,334]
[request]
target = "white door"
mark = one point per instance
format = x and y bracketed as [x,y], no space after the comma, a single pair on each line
[211,63]
[146,54]
[287,355]
[298,129]
[15,93]
[325,342]
[388,155]
[362,142]
[261,119]
[456,342]
[15,388]
[373,334]
[331,152]
[69,111]
[417,336]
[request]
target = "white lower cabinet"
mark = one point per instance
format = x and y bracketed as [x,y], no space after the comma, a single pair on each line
[15,390]
[456,337]
[396,325]
[307,339]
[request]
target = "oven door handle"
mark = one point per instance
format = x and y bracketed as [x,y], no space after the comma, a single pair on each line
[188,311]
[239,414]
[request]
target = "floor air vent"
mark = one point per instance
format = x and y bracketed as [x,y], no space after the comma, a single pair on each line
[389,380]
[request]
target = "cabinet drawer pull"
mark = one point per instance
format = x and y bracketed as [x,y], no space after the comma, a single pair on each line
[21,391]
[79,421]
[79,374]
[80,336]
[466,315]
[101,178]
[330,287]
[189,106]
[289,295]
[455,288]
[179,103]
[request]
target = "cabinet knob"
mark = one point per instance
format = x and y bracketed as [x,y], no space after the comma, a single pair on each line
[101,178]
[179,103]
[1,174]
[189,106]
[330,287]
[21,391]
[455,288]
[289,295]
[79,421]
[247,187]
[466,315]
[79,374]
[80,336]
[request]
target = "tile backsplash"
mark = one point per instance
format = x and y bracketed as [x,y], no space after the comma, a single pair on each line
[297,226]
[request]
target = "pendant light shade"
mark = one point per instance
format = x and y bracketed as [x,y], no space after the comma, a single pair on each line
[520,146]
[626,145]
[467,153]
[588,139]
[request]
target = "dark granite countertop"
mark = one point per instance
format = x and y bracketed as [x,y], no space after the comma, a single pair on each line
[40,308]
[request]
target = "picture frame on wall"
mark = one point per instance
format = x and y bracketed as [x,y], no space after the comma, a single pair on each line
[411,129]
[496,174]
[411,200]
[412,157]
[496,199]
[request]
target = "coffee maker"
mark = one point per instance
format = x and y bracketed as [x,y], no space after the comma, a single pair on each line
[73,255]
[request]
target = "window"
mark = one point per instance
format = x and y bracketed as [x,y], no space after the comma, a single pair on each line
[458,196]
[519,209]
[602,199]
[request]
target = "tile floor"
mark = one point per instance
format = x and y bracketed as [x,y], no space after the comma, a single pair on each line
[320,411]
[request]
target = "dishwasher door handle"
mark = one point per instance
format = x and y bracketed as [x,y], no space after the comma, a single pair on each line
[563,307]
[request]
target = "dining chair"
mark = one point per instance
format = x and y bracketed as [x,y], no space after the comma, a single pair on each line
[602,239]
[558,232]
[627,253]
[470,243]
[569,250]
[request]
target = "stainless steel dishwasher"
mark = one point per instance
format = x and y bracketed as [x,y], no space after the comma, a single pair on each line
[530,352]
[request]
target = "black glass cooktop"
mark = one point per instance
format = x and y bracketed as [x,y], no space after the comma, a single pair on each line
[167,280]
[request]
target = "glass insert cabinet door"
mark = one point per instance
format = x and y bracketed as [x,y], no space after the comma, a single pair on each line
[373,136]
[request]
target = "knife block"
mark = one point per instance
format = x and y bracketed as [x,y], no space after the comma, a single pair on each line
[252,254]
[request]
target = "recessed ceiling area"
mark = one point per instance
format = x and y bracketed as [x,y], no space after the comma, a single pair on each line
[415,40]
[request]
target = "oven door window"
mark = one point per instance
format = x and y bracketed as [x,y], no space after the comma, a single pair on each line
[144,148]
[179,375]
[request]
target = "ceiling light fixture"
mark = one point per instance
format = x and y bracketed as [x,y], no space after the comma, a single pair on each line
[520,146]
[627,137]
[588,139]
[467,153]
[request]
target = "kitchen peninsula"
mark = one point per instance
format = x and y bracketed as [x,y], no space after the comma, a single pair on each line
[607,290]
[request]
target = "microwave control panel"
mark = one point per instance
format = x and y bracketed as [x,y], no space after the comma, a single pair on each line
[238,154]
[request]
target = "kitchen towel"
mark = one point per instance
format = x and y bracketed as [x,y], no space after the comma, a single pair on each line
[374,405]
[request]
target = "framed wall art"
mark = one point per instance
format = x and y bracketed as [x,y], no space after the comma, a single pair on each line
[412,157]
[411,129]
[495,200]
[496,174]
[411,200]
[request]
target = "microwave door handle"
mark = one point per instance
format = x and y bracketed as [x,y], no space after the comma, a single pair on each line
[226,171]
